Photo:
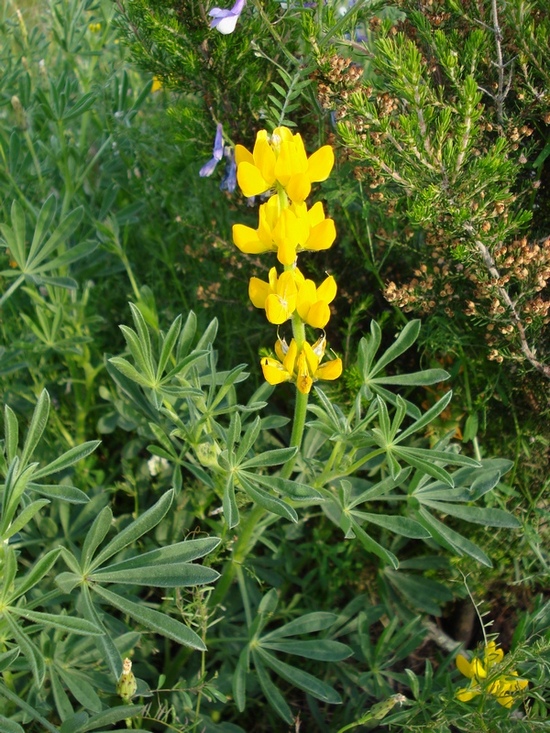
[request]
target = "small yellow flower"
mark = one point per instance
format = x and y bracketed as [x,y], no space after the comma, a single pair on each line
[281,158]
[481,674]
[300,366]
[286,231]
[157,85]
[312,303]
[291,291]
[278,296]
[94,27]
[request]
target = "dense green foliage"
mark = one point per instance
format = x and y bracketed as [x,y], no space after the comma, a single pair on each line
[155,505]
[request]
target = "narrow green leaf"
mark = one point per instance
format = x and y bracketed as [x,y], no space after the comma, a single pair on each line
[272,693]
[95,536]
[62,703]
[31,652]
[374,547]
[8,658]
[292,489]
[73,254]
[168,343]
[395,523]
[81,689]
[11,432]
[8,726]
[60,235]
[179,552]
[24,517]
[230,509]
[113,715]
[239,680]
[449,538]
[271,503]
[478,515]
[36,428]
[129,371]
[307,624]
[40,568]
[415,379]
[404,341]
[411,457]
[107,647]
[69,458]
[43,223]
[70,494]
[428,416]
[178,575]
[135,530]
[66,623]
[324,650]
[159,622]
[298,678]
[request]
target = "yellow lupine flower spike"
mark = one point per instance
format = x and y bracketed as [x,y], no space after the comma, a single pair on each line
[281,158]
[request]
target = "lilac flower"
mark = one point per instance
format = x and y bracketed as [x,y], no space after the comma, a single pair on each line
[217,154]
[229,181]
[226,20]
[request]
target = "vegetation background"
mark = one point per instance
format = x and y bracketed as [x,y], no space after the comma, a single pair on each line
[439,116]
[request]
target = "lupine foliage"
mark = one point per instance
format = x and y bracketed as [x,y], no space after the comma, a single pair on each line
[179,552]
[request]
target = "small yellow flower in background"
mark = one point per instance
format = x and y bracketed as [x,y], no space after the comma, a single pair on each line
[94,27]
[286,231]
[157,85]
[481,672]
[300,366]
[281,158]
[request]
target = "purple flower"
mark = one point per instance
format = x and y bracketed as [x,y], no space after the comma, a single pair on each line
[226,20]
[217,154]
[229,181]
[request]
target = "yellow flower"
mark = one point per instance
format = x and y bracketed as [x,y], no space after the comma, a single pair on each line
[291,291]
[281,158]
[157,85]
[312,303]
[479,671]
[286,231]
[300,366]
[278,296]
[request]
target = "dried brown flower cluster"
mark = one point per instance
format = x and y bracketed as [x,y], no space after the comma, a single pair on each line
[524,270]
[337,78]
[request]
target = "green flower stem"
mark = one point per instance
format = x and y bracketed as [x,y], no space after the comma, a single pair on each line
[248,536]
[300,410]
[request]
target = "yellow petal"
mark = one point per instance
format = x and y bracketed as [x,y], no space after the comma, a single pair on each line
[327,289]
[465,694]
[283,133]
[318,315]
[250,179]
[273,370]
[258,290]
[304,381]
[276,309]
[319,165]
[464,666]
[478,669]
[286,253]
[330,369]
[246,239]
[242,155]
[298,187]
[306,297]
[265,160]
[316,214]
[321,236]
[289,362]
[493,654]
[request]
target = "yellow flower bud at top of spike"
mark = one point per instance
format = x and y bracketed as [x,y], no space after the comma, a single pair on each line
[281,158]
